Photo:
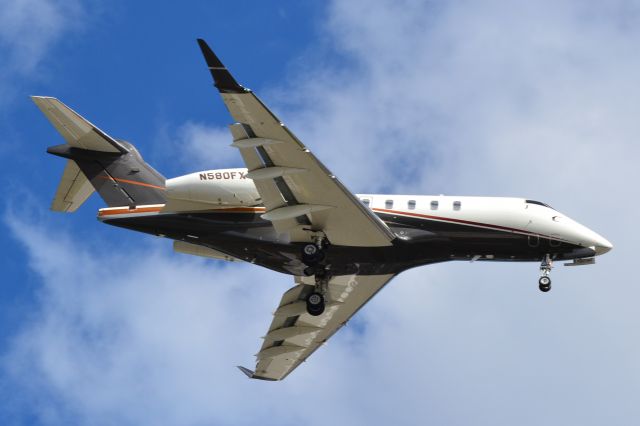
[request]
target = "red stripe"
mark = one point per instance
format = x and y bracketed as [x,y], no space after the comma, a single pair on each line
[133,182]
[126,210]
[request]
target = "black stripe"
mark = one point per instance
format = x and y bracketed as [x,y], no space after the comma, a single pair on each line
[222,78]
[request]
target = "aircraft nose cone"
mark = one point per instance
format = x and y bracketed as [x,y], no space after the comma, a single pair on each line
[602,246]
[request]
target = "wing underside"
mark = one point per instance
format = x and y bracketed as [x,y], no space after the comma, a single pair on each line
[294,334]
[300,194]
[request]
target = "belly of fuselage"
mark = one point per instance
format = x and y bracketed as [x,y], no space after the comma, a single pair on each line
[248,237]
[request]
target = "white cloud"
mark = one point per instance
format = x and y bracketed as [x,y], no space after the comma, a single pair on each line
[532,99]
[28,30]
[205,147]
[438,94]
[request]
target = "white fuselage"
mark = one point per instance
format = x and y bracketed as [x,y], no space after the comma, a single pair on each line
[232,188]
[516,215]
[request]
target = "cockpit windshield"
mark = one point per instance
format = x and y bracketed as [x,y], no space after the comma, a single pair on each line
[538,203]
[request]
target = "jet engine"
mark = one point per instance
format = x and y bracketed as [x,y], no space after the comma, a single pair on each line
[209,188]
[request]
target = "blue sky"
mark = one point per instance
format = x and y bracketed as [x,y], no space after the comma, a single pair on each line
[102,326]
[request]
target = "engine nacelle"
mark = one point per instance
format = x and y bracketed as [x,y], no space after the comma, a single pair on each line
[206,189]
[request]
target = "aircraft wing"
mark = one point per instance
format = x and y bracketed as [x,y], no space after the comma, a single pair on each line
[299,193]
[294,334]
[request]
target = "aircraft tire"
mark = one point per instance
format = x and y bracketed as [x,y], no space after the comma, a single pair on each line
[311,255]
[544,284]
[310,249]
[315,304]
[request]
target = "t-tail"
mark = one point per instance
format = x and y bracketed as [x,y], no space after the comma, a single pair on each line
[98,162]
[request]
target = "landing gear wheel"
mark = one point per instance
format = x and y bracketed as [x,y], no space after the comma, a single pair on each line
[315,304]
[544,283]
[310,249]
[311,254]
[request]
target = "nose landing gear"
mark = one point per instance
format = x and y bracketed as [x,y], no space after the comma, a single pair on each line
[544,283]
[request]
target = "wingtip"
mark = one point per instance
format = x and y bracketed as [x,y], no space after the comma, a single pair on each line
[36,98]
[252,375]
[203,44]
[222,78]
[246,371]
[210,57]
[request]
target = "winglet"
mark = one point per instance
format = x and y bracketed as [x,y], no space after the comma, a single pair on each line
[222,78]
[252,375]
[246,371]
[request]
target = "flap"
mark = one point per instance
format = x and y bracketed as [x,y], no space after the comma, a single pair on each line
[294,334]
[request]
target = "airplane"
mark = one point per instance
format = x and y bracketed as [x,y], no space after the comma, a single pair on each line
[287,212]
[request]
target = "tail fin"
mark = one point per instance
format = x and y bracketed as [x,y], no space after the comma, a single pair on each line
[112,167]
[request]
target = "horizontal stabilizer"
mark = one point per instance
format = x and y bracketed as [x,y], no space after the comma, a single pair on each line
[75,129]
[73,190]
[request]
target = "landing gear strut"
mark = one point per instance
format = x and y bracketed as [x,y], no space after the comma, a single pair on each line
[313,255]
[544,283]
[316,300]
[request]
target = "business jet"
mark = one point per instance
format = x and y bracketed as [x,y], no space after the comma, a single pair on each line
[287,212]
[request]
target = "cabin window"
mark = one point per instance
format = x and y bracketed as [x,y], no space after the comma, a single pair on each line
[388,204]
[434,205]
[457,205]
[411,204]
[365,201]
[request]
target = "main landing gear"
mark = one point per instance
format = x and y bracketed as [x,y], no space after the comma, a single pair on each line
[315,304]
[544,283]
[313,256]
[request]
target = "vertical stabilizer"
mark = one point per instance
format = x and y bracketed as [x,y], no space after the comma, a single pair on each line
[98,162]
